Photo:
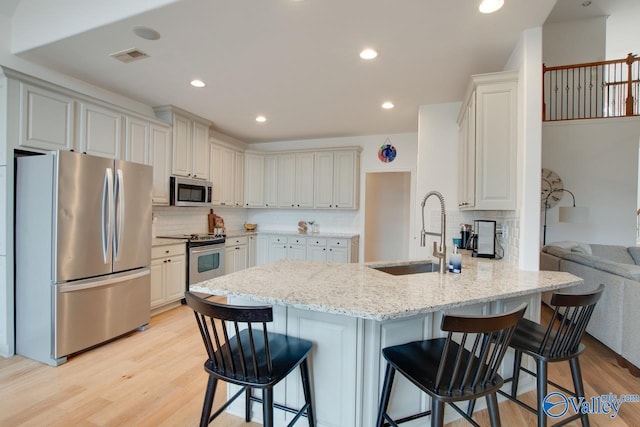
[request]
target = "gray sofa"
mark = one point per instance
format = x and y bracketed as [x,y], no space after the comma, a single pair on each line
[617,315]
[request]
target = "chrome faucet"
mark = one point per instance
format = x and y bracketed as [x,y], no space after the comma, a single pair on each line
[442,254]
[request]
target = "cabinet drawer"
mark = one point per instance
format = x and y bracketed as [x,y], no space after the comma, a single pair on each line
[297,241]
[342,243]
[317,241]
[277,239]
[235,241]
[167,250]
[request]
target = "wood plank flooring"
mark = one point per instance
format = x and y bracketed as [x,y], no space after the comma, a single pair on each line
[155,378]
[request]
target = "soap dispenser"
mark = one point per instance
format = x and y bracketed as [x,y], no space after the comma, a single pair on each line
[455,261]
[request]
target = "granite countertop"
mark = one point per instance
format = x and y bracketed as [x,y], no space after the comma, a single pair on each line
[238,233]
[357,290]
[160,241]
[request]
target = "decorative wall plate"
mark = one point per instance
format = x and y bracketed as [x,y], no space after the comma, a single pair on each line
[387,153]
[550,183]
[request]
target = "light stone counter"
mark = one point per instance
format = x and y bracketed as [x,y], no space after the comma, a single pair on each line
[357,290]
[238,233]
[159,241]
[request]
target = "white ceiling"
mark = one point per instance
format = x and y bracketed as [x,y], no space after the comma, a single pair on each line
[297,62]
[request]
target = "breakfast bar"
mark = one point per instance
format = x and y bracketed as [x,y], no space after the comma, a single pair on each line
[352,311]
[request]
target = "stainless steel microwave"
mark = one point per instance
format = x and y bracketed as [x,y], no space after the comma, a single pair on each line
[190,192]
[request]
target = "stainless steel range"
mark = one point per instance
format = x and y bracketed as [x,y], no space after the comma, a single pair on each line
[206,256]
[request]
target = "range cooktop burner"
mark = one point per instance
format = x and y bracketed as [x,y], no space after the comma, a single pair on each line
[197,237]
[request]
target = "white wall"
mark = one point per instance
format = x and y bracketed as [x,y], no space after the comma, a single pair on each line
[341,221]
[598,162]
[575,42]
[622,30]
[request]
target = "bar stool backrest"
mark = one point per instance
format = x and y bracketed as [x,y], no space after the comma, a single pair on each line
[572,313]
[492,337]
[240,359]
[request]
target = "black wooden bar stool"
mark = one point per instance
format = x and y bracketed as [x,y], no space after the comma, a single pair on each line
[556,342]
[448,371]
[253,358]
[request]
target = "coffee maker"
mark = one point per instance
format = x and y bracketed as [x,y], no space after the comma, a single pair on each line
[485,239]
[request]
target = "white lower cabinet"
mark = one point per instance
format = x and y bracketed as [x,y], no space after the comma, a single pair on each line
[236,254]
[252,246]
[312,248]
[168,274]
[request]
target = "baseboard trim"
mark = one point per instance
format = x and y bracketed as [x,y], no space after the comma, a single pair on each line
[633,369]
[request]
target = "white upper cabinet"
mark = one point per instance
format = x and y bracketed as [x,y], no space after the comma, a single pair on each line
[47,119]
[190,134]
[238,179]
[160,159]
[254,180]
[286,180]
[136,141]
[227,176]
[488,132]
[100,131]
[271,181]
[304,180]
[337,179]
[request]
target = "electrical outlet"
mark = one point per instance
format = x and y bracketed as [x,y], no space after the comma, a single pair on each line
[501,232]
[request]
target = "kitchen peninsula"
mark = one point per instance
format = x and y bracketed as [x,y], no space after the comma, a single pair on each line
[352,311]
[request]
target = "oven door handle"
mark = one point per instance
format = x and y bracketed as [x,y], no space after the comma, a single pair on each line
[202,251]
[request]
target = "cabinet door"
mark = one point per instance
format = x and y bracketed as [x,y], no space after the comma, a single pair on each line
[345,179]
[496,121]
[317,253]
[216,174]
[200,151]
[181,160]
[160,159]
[467,157]
[254,180]
[230,260]
[323,182]
[238,179]
[338,254]
[262,252]
[271,181]
[100,131]
[228,173]
[241,257]
[277,248]
[157,282]
[252,249]
[136,141]
[297,252]
[46,119]
[175,275]
[286,180]
[304,180]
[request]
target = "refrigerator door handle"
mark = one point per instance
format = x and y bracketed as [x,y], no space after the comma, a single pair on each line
[119,212]
[107,200]
[88,284]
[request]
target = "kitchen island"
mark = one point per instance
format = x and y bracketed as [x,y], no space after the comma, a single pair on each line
[352,311]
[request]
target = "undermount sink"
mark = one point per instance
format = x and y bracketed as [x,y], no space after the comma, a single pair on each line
[399,270]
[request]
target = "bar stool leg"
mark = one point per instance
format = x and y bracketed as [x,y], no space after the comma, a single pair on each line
[247,404]
[437,413]
[306,388]
[517,363]
[576,374]
[494,413]
[267,407]
[542,391]
[386,394]
[208,401]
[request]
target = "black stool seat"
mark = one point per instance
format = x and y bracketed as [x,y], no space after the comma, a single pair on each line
[241,351]
[449,371]
[286,354]
[558,341]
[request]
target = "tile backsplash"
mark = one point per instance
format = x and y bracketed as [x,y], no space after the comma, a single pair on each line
[170,220]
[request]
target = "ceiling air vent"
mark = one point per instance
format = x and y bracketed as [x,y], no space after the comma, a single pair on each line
[129,55]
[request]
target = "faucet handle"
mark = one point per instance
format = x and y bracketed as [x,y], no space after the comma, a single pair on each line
[435,251]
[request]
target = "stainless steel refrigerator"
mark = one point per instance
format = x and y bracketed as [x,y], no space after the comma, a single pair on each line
[83,250]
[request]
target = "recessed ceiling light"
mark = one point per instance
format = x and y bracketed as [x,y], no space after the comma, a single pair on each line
[197,83]
[388,105]
[490,6]
[261,119]
[146,33]
[368,54]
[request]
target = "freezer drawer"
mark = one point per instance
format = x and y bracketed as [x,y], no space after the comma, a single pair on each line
[90,312]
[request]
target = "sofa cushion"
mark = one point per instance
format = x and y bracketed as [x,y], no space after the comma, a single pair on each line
[555,250]
[613,253]
[625,270]
[584,259]
[634,251]
[573,246]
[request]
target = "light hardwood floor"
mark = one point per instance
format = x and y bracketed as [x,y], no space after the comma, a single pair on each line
[155,378]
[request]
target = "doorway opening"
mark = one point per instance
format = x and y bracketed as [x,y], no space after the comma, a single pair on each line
[387,216]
